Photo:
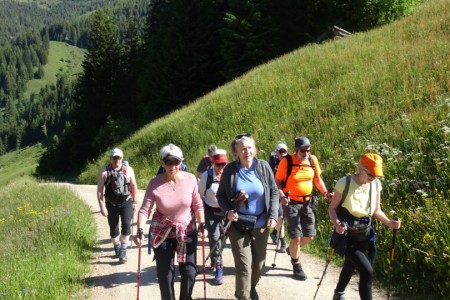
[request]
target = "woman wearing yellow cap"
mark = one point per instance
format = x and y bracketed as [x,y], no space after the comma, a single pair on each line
[355,202]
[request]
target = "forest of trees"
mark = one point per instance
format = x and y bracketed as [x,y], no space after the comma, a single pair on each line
[147,58]
[26,29]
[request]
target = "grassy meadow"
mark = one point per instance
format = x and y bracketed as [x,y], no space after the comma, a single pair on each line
[386,91]
[62,59]
[19,163]
[47,233]
[47,238]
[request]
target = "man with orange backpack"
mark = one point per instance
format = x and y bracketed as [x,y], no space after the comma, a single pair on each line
[297,174]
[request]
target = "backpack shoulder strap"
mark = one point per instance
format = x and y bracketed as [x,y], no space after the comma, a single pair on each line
[347,187]
[108,174]
[311,162]
[209,179]
[288,170]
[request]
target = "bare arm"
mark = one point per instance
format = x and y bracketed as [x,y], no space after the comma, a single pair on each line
[332,212]
[100,192]
[381,216]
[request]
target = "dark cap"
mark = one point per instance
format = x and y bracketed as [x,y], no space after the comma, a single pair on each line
[302,142]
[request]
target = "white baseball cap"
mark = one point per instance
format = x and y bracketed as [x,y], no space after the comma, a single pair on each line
[171,151]
[117,152]
[281,146]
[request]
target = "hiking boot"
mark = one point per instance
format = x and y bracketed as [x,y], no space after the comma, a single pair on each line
[253,294]
[338,296]
[282,249]
[116,249]
[123,255]
[298,272]
[218,278]
[274,237]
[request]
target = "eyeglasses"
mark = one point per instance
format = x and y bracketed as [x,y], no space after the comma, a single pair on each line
[173,162]
[240,136]
[305,150]
[370,175]
[117,158]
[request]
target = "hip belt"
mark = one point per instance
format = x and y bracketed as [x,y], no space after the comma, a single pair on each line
[300,199]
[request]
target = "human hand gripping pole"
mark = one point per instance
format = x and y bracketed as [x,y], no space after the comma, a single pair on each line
[240,200]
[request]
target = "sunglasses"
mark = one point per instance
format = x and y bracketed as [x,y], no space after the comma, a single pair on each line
[220,165]
[117,158]
[282,151]
[305,150]
[240,136]
[370,175]
[172,162]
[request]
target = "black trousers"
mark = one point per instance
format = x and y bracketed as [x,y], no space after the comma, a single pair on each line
[165,268]
[356,258]
[122,211]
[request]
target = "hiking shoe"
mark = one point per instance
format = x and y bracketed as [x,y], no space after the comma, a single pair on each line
[274,237]
[338,296]
[282,249]
[298,272]
[123,255]
[218,278]
[116,249]
[253,294]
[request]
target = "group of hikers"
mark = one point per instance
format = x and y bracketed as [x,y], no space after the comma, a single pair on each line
[245,200]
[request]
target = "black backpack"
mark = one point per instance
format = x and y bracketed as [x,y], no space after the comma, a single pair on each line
[117,185]
[289,168]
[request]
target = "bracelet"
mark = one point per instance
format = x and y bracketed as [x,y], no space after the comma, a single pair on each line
[140,231]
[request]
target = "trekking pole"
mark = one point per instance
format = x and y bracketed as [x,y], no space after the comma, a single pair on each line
[279,234]
[327,263]
[139,269]
[392,259]
[241,199]
[132,236]
[204,265]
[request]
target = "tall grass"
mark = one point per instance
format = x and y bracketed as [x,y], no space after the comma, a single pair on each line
[387,91]
[47,237]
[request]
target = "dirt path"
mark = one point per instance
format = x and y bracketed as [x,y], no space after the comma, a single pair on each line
[110,280]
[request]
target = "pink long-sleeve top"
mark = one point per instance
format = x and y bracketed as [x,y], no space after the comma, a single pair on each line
[175,205]
[173,202]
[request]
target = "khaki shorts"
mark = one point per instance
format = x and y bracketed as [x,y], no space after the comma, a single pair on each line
[300,220]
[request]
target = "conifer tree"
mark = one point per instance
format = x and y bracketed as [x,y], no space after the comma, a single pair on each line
[183,60]
[96,96]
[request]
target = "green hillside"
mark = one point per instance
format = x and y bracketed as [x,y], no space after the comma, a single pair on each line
[62,59]
[386,91]
[19,163]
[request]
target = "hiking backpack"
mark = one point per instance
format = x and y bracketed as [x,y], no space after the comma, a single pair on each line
[117,185]
[290,164]
[210,179]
